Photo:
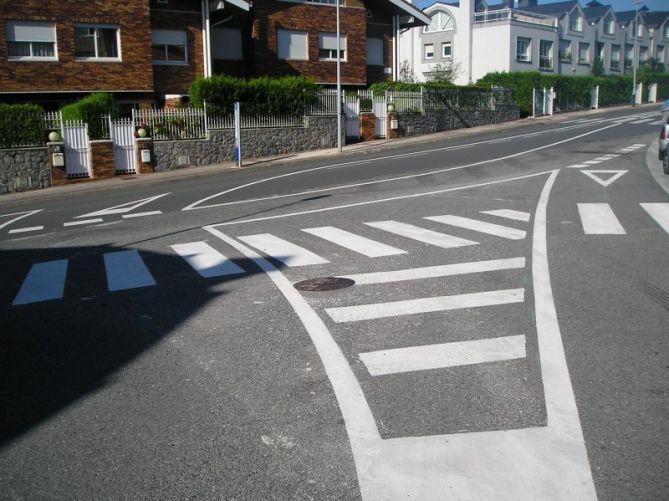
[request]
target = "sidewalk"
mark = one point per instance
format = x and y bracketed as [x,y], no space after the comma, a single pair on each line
[367,147]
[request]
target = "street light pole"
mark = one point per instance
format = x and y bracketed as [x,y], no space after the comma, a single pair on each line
[338,82]
[637,3]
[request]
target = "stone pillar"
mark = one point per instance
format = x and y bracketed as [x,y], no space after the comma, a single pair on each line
[58,174]
[392,118]
[102,159]
[144,143]
[367,126]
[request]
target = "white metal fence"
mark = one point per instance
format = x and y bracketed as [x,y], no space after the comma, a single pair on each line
[254,121]
[172,123]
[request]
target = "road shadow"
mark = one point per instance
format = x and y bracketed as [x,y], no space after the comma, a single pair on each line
[53,353]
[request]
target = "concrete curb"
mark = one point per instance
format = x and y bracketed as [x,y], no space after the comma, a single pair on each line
[366,147]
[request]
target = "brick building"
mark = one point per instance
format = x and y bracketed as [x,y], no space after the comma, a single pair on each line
[149,51]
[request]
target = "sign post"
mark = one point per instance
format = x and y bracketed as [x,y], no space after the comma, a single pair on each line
[238,136]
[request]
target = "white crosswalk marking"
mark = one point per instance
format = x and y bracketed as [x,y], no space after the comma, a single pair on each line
[603,159]
[126,270]
[425,305]
[356,243]
[516,215]
[421,234]
[439,356]
[445,270]
[576,166]
[44,281]
[642,121]
[592,162]
[282,250]
[480,226]
[599,219]
[206,260]
[611,155]
[659,212]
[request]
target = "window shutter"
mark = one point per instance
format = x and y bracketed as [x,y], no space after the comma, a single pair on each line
[292,44]
[328,41]
[26,31]
[168,37]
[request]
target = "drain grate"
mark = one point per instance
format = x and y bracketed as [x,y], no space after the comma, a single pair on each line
[324,284]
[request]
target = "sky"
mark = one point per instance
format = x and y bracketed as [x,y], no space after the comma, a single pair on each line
[618,5]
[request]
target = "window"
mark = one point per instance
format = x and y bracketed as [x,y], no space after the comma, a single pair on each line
[666,31]
[429,51]
[447,50]
[615,57]
[292,45]
[226,43]
[168,47]
[31,41]
[639,30]
[609,25]
[375,51]
[439,21]
[330,2]
[546,55]
[583,53]
[96,42]
[660,53]
[643,53]
[327,47]
[523,49]
[575,22]
[600,50]
[629,55]
[565,51]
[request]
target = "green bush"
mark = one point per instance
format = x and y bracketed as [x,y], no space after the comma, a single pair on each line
[290,95]
[612,89]
[21,125]
[89,109]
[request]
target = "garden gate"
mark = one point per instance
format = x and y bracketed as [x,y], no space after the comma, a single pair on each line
[77,150]
[123,139]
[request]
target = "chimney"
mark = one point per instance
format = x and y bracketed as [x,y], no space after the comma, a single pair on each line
[526,3]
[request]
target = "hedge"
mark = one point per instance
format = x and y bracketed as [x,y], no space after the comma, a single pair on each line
[612,89]
[90,109]
[21,125]
[286,95]
[380,88]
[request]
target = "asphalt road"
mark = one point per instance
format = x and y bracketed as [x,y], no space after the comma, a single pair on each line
[505,338]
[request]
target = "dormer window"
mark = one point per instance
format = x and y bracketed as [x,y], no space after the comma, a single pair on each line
[575,21]
[609,25]
[639,30]
[439,21]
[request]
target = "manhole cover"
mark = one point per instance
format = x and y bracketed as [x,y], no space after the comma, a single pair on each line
[324,284]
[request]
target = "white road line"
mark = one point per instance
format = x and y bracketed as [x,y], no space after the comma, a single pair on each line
[497,230]
[85,221]
[642,121]
[421,234]
[603,159]
[282,250]
[425,305]
[356,243]
[123,208]
[592,162]
[576,166]
[26,230]
[516,215]
[595,176]
[611,155]
[44,281]
[444,270]
[659,212]
[142,214]
[20,215]
[126,270]
[439,356]
[638,145]
[206,260]
[599,219]
[627,150]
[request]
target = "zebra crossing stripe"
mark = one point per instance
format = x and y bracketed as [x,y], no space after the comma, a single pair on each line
[439,356]
[356,243]
[644,120]
[576,166]
[603,159]
[383,277]
[480,226]
[282,250]
[599,219]
[659,212]
[425,305]
[206,260]
[516,215]
[44,281]
[421,234]
[126,270]
[592,162]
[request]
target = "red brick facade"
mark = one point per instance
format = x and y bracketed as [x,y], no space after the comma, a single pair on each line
[131,73]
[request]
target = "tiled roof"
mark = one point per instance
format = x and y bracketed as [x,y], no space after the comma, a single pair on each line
[552,9]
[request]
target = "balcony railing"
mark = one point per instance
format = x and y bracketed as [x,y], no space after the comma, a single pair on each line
[514,15]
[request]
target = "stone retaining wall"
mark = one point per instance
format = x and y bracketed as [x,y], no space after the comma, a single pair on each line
[24,169]
[318,133]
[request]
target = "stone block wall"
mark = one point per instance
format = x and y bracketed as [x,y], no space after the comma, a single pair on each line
[318,133]
[24,169]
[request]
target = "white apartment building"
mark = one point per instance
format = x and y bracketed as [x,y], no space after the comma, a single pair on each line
[563,38]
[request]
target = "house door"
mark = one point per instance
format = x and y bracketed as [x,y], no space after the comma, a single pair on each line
[77,150]
[123,139]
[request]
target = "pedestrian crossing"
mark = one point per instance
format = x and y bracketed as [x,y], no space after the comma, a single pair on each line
[127,270]
[610,156]
[647,118]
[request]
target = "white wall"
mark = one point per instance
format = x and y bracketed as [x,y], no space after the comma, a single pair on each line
[492,49]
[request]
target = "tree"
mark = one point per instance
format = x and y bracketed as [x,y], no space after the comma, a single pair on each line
[406,73]
[444,73]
